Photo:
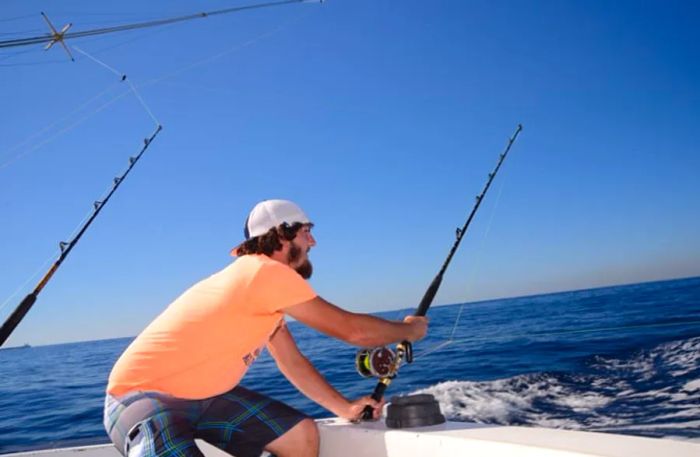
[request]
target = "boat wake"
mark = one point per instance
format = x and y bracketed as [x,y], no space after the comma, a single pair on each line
[650,393]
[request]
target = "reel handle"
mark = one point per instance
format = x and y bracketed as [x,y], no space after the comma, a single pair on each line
[376,395]
[407,351]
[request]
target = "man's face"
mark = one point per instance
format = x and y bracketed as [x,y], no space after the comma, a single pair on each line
[298,255]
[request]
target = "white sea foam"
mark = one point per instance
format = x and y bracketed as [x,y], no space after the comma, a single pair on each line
[635,395]
[692,386]
[464,400]
[678,358]
[583,402]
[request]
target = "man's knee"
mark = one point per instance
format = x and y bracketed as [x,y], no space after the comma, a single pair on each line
[300,440]
[310,430]
[307,435]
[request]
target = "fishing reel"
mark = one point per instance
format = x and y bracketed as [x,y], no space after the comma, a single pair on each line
[377,362]
[382,362]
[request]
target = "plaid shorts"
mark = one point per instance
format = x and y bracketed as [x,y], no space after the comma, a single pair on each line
[240,422]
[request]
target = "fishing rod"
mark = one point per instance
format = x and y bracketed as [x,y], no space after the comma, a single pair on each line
[23,308]
[58,37]
[383,362]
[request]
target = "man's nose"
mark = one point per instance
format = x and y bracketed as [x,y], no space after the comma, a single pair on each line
[312,240]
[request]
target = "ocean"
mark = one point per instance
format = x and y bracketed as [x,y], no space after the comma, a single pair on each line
[622,359]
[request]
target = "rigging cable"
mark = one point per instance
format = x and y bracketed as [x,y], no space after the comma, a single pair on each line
[236,47]
[49,38]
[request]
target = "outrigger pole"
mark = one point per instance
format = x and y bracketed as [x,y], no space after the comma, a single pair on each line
[23,308]
[58,37]
[405,349]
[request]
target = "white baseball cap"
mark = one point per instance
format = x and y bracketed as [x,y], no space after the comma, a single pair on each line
[268,214]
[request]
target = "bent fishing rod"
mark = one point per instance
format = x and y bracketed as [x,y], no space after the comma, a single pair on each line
[384,363]
[23,308]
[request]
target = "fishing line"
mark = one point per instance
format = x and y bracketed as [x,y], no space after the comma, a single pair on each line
[479,253]
[23,308]
[9,55]
[143,103]
[136,37]
[99,62]
[29,300]
[20,32]
[112,15]
[475,265]
[535,335]
[31,64]
[15,18]
[72,235]
[41,268]
[23,286]
[123,77]
[211,58]
[435,348]
[64,130]
[176,72]
[218,55]
[202,87]
[114,99]
[480,250]
[385,363]
[64,118]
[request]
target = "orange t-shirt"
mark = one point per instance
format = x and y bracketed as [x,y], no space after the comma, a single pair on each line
[203,343]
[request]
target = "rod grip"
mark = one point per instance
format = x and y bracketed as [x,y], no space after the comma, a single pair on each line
[429,296]
[16,316]
[376,395]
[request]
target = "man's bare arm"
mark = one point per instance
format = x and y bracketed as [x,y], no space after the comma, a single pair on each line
[357,329]
[300,372]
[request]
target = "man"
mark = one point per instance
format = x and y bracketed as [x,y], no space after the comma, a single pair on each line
[178,380]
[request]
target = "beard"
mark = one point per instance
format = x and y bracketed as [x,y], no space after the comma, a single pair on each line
[305,269]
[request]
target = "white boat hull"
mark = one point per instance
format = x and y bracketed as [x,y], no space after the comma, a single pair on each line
[340,438]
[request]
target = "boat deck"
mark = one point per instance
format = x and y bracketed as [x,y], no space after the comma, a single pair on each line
[342,439]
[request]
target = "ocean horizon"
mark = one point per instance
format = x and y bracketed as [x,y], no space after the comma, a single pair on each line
[405,311]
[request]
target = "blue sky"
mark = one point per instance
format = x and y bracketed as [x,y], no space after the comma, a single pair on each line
[382,119]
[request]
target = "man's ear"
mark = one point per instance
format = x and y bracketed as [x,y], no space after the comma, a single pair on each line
[283,241]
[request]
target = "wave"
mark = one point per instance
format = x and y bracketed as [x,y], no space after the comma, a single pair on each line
[648,393]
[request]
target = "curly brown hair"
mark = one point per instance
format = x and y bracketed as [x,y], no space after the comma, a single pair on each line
[270,241]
